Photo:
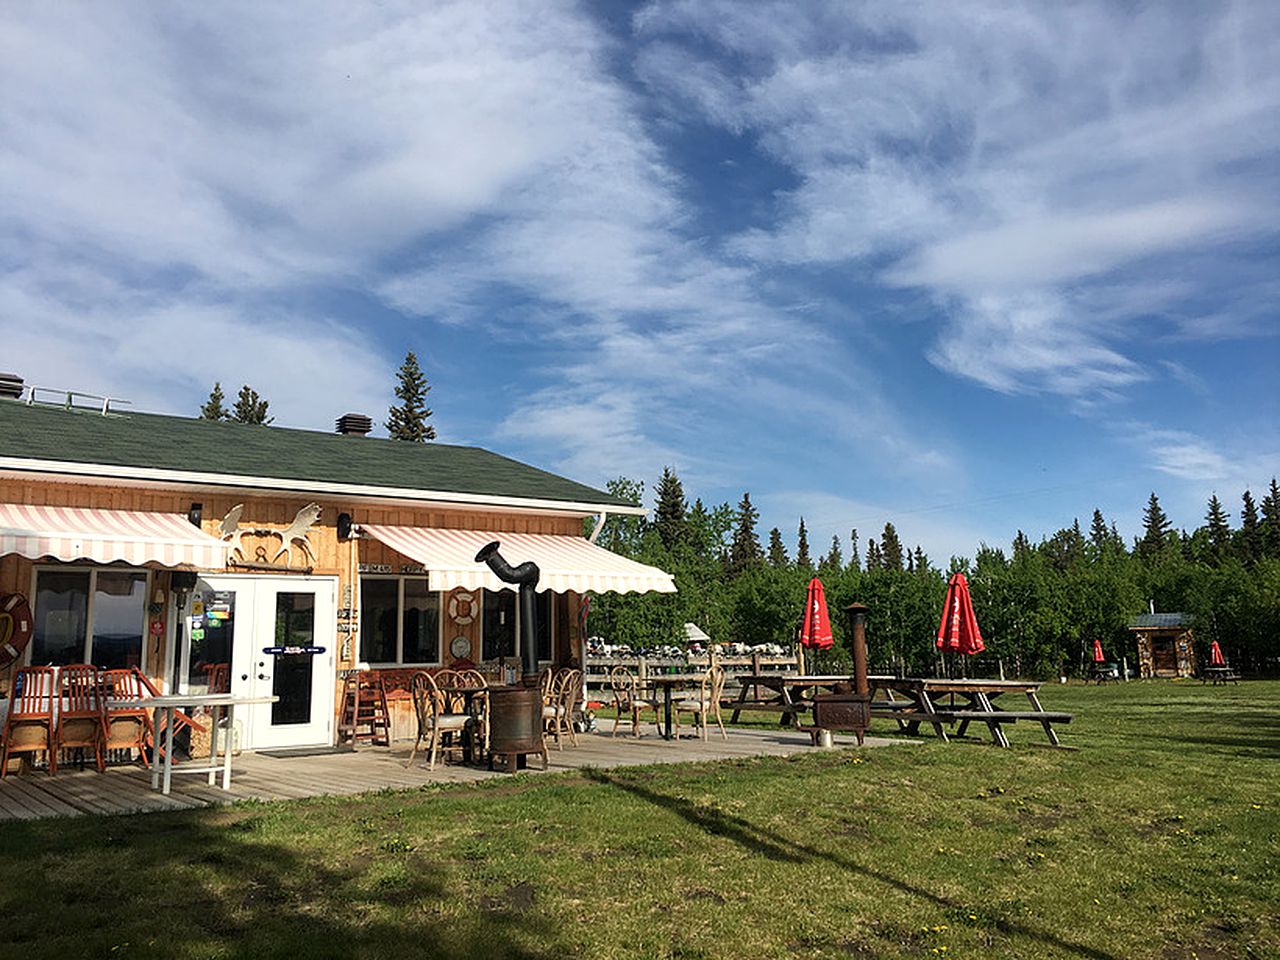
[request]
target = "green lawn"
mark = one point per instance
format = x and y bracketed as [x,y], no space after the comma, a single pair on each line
[1159,838]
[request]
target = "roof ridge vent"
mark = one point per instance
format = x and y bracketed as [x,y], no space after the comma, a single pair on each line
[353,424]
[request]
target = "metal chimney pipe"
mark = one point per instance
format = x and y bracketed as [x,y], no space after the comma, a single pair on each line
[857,614]
[525,576]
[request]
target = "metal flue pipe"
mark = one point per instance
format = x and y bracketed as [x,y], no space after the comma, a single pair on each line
[525,576]
[857,614]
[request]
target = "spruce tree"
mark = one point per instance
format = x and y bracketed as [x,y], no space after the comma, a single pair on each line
[873,555]
[777,551]
[250,408]
[803,560]
[890,548]
[922,561]
[834,560]
[408,420]
[1218,528]
[669,515]
[1156,529]
[744,551]
[1250,532]
[1270,526]
[855,561]
[214,408]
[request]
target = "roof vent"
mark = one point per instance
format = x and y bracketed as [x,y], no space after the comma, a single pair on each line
[10,385]
[354,424]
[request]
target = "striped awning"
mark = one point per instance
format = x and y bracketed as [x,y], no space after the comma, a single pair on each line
[131,536]
[566,563]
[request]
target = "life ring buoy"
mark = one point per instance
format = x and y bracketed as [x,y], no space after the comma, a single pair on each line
[16,626]
[462,608]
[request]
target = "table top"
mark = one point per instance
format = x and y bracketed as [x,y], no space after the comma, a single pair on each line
[193,700]
[674,679]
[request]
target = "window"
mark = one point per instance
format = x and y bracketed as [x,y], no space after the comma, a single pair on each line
[399,621]
[90,616]
[499,624]
[543,604]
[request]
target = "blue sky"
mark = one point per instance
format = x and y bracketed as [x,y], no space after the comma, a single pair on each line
[970,267]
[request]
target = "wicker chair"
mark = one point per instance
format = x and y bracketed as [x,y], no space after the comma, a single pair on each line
[475,680]
[627,700]
[29,726]
[557,715]
[704,703]
[82,723]
[434,719]
[128,728]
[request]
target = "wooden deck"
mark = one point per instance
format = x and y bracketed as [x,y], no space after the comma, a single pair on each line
[124,790]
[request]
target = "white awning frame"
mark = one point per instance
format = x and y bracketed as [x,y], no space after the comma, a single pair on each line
[567,563]
[135,537]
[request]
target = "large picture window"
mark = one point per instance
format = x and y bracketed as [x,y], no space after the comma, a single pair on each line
[499,624]
[399,621]
[90,616]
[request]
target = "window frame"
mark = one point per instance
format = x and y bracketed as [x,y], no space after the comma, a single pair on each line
[400,579]
[92,570]
[519,633]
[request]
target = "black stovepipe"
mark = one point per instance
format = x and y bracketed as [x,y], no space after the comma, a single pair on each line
[525,576]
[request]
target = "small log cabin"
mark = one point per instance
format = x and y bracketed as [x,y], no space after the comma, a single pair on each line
[1165,644]
[267,560]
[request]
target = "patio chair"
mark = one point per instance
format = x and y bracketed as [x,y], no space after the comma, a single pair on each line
[557,714]
[180,717]
[128,727]
[626,699]
[218,676]
[434,720]
[704,703]
[29,726]
[82,722]
[477,681]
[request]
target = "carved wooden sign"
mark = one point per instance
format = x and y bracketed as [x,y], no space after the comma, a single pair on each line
[295,534]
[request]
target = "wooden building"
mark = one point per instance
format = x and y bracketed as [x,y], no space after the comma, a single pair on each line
[272,560]
[1165,644]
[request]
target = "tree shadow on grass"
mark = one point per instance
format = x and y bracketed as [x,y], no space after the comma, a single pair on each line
[167,885]
[774,846]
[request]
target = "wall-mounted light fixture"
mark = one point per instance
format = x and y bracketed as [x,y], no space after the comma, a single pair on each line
[196,514]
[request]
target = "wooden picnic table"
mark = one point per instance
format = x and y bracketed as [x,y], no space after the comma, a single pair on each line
[910,701]
[1217,675]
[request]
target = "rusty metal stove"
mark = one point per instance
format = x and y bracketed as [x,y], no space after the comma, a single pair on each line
[849,711]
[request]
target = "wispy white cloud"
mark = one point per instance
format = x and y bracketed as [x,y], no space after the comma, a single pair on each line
[1006,159]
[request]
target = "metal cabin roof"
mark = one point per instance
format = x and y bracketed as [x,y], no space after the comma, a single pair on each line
[154,446]
[1149,621]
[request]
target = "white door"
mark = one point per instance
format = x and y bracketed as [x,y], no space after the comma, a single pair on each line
[276,636]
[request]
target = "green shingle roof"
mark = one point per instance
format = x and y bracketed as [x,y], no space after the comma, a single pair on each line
[155,442]
[1157,620]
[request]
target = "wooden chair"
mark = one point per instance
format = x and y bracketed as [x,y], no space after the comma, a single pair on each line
[476,680]
[128,728]
[627,699]
[180,717]
[557,714]
[82,723]
[434,719]
[218,676]
[29,726]
[704,703]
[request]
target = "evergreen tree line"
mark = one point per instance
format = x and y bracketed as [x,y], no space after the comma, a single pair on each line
[1040,605]
[406,420]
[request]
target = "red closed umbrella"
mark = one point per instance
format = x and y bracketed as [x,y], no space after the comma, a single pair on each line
[1216,659]
[815,628]
[1097,652]
[958,631]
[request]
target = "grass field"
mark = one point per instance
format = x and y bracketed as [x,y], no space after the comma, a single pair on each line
[1159,837]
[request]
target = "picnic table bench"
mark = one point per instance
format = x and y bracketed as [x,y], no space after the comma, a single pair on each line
[910,701]
[1217,675]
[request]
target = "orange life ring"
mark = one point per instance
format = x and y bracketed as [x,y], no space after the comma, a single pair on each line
[16,626]
[462,608]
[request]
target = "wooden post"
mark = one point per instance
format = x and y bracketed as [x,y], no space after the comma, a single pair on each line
[1124,668]
[1000,661]
[755,663]
[642,670]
